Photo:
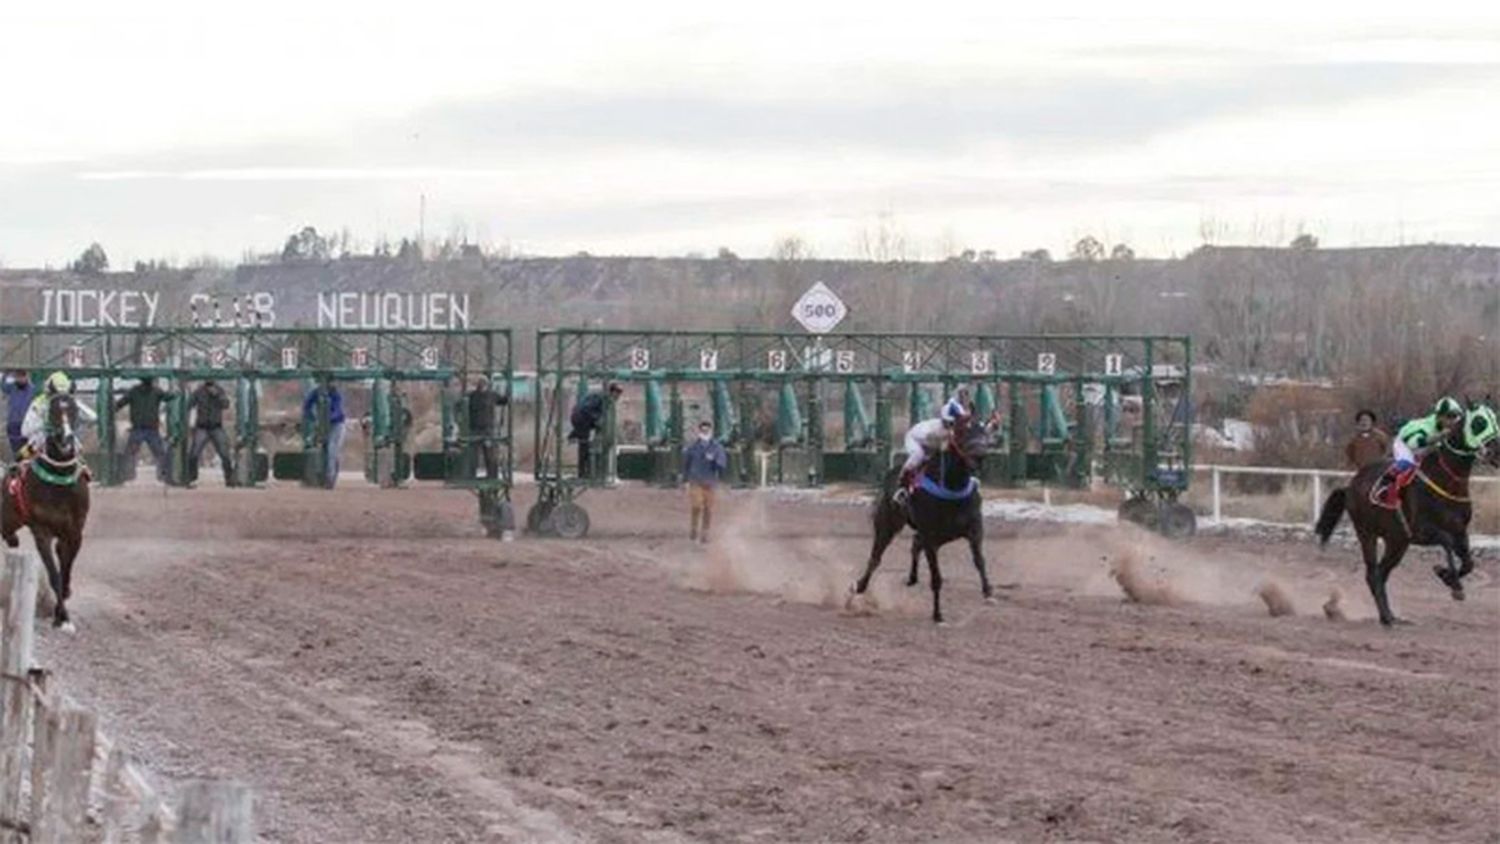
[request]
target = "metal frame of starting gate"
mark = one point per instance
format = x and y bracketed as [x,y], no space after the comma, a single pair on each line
[1066,401]
[249,356]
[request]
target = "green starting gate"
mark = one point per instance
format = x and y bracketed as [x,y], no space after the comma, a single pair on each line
[808,409]
[246,360]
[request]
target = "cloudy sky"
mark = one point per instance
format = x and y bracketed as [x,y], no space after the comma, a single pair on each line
[176,129]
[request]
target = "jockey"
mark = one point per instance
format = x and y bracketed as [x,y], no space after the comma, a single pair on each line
[1412,442]
[928,436]
[34,427]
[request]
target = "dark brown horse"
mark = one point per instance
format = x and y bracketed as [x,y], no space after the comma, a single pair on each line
[946,506]
[50,495]
[1435,509]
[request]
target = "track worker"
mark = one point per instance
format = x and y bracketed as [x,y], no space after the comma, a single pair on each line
[145,400]
[18,391]
[587,418]
[482,417]
[704,462]
[207,404]
[1369,444]
[327,394]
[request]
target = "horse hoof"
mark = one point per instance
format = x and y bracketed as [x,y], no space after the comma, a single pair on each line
[1458,593]
[69,628]
[990,599]
[910,582]
[1393,621]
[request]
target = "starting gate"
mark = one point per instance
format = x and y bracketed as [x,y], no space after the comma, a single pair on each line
[804,409]
[244,360]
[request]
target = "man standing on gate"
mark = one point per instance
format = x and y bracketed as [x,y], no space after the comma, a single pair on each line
[587,418]
[208,403]
[18,391]
[482,404]
[326,398]
[145,400]
[703,465]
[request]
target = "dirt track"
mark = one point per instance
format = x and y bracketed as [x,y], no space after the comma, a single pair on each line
[380,672]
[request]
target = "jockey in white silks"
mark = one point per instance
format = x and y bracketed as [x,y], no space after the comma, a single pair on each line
[34,426]
[926,437]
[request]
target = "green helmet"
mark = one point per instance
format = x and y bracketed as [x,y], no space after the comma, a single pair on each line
[1448,406]
[1480,426]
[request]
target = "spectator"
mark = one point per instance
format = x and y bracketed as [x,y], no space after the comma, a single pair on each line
[1369,444]
[18,391]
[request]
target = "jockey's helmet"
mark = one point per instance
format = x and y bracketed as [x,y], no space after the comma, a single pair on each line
[1448,406]
[953,411]
[58,383]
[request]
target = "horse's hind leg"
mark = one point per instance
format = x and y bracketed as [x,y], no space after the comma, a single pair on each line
[937,584]
[44,544]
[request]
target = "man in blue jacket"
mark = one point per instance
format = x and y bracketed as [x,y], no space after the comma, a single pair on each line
[18,391]
[327,393]
[703,465]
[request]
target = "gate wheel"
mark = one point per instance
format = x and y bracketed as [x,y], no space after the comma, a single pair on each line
[569,521]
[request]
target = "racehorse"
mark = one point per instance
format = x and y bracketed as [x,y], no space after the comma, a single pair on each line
[945,506]
[1435,508]
[50,495]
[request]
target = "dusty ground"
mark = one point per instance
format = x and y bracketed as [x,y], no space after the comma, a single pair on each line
[380,672]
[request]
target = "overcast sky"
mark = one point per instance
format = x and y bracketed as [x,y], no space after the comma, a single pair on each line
[175,129]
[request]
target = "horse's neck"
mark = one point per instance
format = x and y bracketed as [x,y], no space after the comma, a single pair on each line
[1447,462]
[948,470]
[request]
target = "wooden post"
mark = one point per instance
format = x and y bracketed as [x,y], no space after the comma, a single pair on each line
[215,813]
[1218,498]
[1317,491]
[18,586]
[62,763]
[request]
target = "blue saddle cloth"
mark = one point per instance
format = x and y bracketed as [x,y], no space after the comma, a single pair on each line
[931,487]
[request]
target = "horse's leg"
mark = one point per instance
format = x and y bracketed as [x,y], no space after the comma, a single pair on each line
[976,549]
[1377,576]
[937,584]
[44,543]
[1455,551]
[67,551]
[916,552]
[887,525]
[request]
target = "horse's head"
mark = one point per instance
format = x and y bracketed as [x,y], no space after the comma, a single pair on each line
[1480,433]
[968,441]
[62,426]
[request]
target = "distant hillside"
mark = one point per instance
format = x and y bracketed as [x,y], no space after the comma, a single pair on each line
[1320,313]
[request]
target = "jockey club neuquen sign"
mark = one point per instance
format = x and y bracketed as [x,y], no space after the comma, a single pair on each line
[87,308]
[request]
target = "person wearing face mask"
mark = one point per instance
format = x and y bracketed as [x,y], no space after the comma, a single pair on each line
[703,464]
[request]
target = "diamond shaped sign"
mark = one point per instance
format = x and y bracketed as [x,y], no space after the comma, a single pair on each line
[820,310]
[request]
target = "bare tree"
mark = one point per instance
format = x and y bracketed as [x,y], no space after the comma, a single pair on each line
[1088,248]
[884,242]
[1121,252]
[92,261]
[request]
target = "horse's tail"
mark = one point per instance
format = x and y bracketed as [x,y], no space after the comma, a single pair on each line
[1333,510]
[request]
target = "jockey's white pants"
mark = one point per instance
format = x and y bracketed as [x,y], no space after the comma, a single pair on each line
[1402,452]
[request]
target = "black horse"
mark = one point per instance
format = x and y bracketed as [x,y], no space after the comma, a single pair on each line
[1435,508]
[944,507]
[51,497]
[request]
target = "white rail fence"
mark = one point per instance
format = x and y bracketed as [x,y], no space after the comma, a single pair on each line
[60,780]
[1319,480]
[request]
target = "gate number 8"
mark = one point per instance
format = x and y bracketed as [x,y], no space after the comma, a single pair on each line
[640,359]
